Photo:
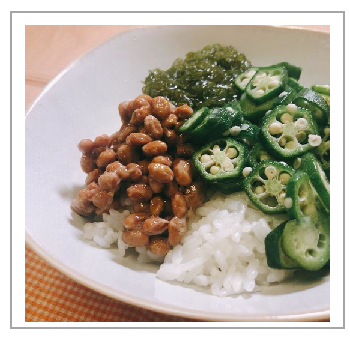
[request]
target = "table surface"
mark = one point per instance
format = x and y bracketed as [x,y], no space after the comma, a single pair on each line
[50,296]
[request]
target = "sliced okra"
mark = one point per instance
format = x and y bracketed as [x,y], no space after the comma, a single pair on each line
[275,255]
[266,84]
[289,131]
[266,186]
[313,101]
[293,71]
[230,186]
[301,200]
[215,123]
[221,160]
[308,242]
[258,154]
[312,167]
[195,119]
[253,111]
[286,97]
[323,151]
[322,89]
[242,80]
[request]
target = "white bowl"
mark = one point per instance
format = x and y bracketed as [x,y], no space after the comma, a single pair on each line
[82,103]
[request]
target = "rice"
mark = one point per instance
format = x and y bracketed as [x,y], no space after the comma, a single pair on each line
[223,250]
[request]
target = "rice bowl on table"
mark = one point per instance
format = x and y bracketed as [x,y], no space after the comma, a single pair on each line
[202,184]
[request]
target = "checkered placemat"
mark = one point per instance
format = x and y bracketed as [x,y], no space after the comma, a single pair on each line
[50,296]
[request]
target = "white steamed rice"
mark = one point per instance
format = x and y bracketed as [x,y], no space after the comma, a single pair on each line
[223,249]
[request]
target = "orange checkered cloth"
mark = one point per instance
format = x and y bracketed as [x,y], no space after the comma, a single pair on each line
[50,296]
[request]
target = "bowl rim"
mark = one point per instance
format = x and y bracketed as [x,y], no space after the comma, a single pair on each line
[172,310]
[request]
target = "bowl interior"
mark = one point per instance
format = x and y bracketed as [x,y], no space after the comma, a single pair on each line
[82,102]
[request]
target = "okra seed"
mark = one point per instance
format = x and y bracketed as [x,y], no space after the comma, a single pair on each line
[259,190]
[290,145]
[286,118]
[314,140]
[235,130]
[260,92]
[301,136]
[292,108]
[283,141]
[205,158]
[270,172]
[282,197]
[231,153]
[264,157]
[273,84]
[288,202]
[300,123]
[214,170]
[246,171]
[284,178]
[276,128]
[296,163]
[216,148]
[245,81]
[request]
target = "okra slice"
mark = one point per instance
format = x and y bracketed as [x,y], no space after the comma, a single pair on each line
[230,186]
[275,255]
[307,242]
[217,121]
[317,176]
[252,111]
[220,160]
[289,131]
[266,186]
[301,199]
[266,84]
[258,154]
[322,89]
[286,97]
[293,71]
[242,80]
[294,84]
[194,120]
[323,151]
[313,101]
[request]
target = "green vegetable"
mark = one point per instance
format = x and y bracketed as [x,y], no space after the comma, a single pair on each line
[293,71]
[317,176]
[294,84]
[216,123]
[258,154]
[308,243]
[301,197]
[220,160]
[266,185]
[230,186]
[195,119]
[254,112]
[249,134]
[286,129]
[266,84]
[313,101]
[287,96]
[242,80]
[204,78]
[322,89]
[276,257]
[323,151]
